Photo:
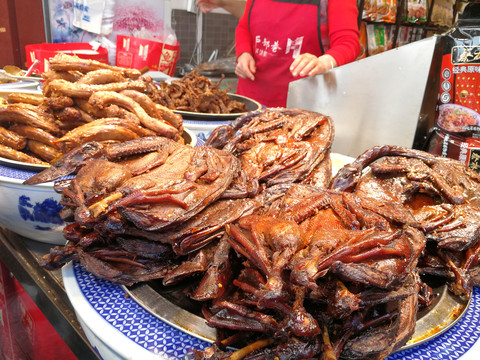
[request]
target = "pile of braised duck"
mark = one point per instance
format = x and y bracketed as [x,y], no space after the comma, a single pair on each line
[82,101]
[196,93]
[289,262]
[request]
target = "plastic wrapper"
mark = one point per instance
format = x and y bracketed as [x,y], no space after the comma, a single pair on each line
[389,35]
[386,11]
[375,39]
[442,13]
[379,37]
[370,10]
[416,11]
[363,40]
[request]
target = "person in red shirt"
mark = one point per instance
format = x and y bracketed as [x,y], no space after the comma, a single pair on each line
[278,41]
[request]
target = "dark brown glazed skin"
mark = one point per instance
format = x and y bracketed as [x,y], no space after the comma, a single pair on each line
[27,114]
[102,130]
[60,87]
[9,153]
[32,99]
[43,151]
[277,145]
[101,99]
[80,156]
[155,110]
[284,265]
[102,76]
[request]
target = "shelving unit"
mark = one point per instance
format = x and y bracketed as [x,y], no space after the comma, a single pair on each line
[425,26]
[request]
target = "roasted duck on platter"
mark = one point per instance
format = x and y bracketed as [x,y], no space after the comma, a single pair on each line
[286,260]
[82,101]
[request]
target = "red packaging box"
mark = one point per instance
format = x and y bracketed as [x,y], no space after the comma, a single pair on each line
[137,53]
[44,52]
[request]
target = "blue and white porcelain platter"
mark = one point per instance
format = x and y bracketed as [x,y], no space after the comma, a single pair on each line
[203,128]
[119,328]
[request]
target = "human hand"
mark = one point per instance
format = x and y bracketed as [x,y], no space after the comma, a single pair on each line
[246,66]
[308,64]
[206,6]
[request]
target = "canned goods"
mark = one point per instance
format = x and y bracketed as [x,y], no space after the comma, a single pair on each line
[458,146]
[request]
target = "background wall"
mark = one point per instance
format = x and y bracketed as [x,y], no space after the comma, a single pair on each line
[217,29]
[218,32]
[21,23]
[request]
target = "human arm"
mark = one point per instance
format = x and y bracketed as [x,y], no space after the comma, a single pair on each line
[243,37]
[246,66]
[243,47]
[235,7]
[343,31]
[344,43]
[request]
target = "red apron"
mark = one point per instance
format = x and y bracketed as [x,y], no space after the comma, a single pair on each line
[280,32]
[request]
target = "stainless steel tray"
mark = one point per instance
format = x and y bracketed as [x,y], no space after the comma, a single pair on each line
[170,305]
[251,104]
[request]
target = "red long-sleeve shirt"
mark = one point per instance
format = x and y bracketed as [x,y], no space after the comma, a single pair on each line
[275,32]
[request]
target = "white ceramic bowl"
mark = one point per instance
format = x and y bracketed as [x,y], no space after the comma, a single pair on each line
[203,128]
[30,210]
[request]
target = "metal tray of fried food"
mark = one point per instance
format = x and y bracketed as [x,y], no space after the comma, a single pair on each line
[188,136]
[171,305]
[251,105]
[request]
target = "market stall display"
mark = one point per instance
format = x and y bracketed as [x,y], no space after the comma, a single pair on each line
[202,103]
[347,282]
[283,248]
[38,126]
[35,210]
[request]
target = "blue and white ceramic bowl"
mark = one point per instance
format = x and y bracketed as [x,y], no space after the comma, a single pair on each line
[30,210]
[203,128]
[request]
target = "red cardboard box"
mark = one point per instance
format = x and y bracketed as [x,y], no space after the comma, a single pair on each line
[136,53]
[44,52]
